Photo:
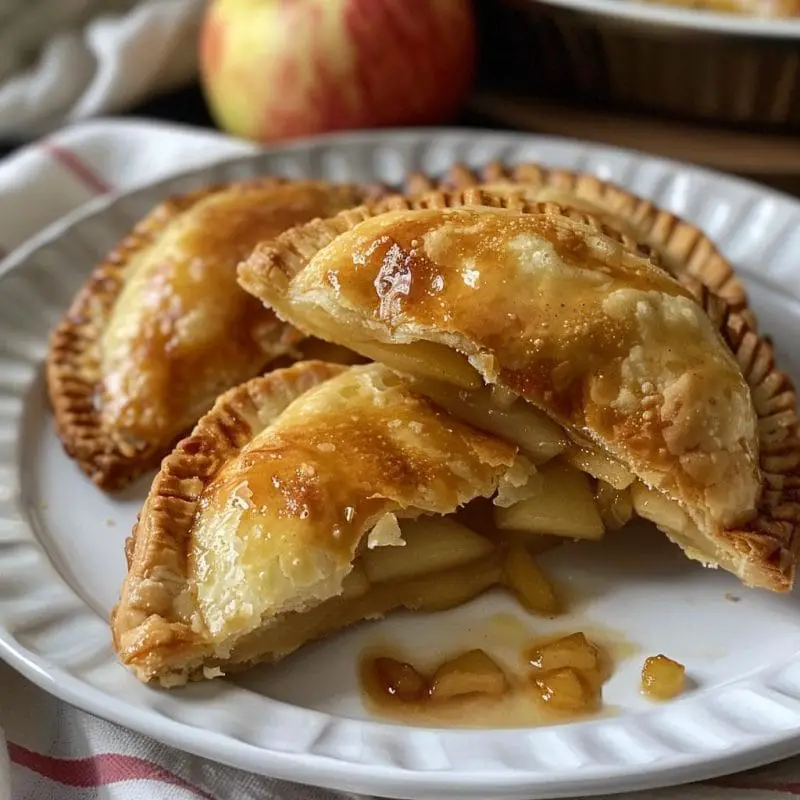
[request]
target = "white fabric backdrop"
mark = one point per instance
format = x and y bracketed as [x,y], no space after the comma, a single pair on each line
[66,60]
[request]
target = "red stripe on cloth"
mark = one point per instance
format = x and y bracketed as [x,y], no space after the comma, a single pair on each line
[77,166]
[100,770]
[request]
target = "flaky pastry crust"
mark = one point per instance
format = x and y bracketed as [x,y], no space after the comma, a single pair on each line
[260,513]
[360,287]
[161,328]
[149,632]
[682,247]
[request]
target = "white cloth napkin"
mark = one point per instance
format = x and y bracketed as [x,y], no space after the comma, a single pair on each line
[57,752]
[63,60]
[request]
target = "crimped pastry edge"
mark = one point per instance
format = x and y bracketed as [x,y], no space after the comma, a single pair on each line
[148,635]
[72,366]
[766,548]
[689,248]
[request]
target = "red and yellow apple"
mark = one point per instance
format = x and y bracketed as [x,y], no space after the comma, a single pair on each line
[275,69]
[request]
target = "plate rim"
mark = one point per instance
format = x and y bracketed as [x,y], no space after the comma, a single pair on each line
[290,765]
[95,205]
[741,25]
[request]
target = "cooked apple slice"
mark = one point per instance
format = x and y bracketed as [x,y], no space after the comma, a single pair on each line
[479,516]
[517,421]
[432,544]
[574,651]
[399,679]
[615,507]
[522,575]
[442,590]
[472,672]
[563,689]
[599,466]
[434,592]
[563,507]
[356,583]
[652,505]
[425,359]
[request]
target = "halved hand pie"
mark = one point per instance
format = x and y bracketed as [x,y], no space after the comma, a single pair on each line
[161,327]
[306,500]
[683,248]
[646,380]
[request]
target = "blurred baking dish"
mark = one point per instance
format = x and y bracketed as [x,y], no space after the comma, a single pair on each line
[756,8]
[672,57]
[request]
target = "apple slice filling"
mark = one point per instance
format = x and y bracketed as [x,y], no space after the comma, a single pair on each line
[504,415]
[578,491]
[438,564]
[564,505]
[433,361]
[428,544]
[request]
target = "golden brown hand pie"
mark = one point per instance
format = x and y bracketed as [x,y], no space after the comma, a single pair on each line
[683,248]
[643,376]
[305,500]
[161,327]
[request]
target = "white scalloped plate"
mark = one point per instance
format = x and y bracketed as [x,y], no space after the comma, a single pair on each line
[633,12]
[61,559]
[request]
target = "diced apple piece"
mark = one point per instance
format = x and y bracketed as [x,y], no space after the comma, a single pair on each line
[565,690]
[440,591]
[520,423]
[574,651]
[600,466]
[425,359]
[470,673]
[399,679]
[564,506]
[615,507]
[433,544]
[652,505]
[355,583]
[522,575]
[662,678]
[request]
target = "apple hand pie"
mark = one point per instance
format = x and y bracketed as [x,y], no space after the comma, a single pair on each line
[161,327]
[682,247]
[661,394]
[304,501]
